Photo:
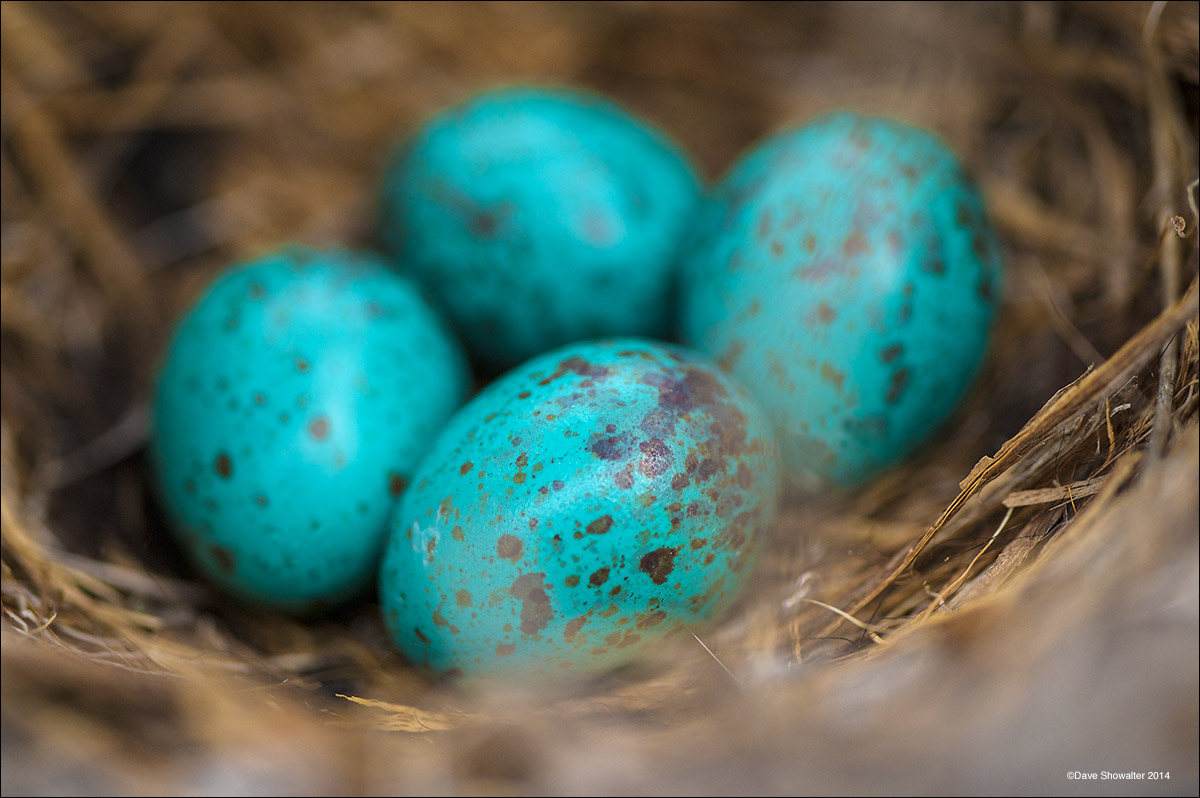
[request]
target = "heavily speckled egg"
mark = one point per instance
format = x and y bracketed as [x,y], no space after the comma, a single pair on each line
[846,272]
[540,217]
[294,401]
[588,503]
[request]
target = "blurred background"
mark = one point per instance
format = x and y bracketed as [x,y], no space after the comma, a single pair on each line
[147,145]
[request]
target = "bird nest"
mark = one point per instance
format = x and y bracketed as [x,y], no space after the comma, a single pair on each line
[1013,609]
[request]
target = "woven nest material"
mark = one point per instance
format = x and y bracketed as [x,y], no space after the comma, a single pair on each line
[1016,605]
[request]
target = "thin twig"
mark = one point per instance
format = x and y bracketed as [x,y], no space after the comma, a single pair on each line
[718,660]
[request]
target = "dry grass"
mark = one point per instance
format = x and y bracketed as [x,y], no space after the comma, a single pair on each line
[959,624]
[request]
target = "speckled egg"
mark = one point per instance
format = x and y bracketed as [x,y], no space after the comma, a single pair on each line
[846,273]
[585,505]
[294,401]
[539,217]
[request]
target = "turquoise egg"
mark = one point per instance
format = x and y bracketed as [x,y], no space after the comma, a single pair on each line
[294,401]
[847,273]
[586,505]
[539,217]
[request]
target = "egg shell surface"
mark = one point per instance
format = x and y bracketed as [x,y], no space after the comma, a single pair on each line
[846,272]
[584,506]
[536,217]
[292,405]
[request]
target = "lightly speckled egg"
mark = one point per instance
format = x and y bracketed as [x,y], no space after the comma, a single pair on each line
[847,273]
[537,217]
[584,506]
[293,403]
